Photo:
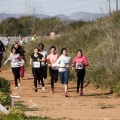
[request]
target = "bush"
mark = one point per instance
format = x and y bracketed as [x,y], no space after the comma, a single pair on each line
[4,92]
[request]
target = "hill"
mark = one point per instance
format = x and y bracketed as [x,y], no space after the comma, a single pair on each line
[84,16]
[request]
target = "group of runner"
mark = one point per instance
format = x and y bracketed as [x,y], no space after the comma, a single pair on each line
[58,64]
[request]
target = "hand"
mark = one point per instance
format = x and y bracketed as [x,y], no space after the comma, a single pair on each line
[43,59]
[72,68]
[49,65]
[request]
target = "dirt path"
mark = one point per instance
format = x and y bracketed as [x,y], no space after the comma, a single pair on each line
[94,105]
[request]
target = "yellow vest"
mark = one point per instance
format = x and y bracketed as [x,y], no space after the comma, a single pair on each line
[33,38]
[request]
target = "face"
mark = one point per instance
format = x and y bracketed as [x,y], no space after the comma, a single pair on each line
[13,50]
[40,47]
[79,53]
[36,51]
[65,52]
[52,50]
[16,46]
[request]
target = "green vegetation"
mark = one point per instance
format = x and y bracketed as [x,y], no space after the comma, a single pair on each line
[99,41]
[4,92]
[16,114]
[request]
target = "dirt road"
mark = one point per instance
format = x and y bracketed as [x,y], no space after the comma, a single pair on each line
[96,104]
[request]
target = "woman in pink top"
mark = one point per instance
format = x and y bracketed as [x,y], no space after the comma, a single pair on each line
[51,59]
[80,62]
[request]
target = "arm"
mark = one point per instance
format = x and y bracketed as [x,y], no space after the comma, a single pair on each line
[31,61]
[85,61]
[3,48]
[9,58]
[73,63]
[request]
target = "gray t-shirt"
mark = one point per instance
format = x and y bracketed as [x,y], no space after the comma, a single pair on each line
[16,60]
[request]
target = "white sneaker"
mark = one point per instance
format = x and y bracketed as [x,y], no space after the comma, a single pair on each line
[19,84]
[43,88]
[16,88]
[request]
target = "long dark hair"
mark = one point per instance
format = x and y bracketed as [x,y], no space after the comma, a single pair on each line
[61,52]
[12,50]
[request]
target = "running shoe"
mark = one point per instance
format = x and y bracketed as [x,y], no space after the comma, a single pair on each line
[43,88]
[19,84]
[36,90]
[16,88]
[65,95]
[77,91]
[81,93]
[52,91]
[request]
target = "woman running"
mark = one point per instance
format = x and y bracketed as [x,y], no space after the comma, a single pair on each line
[43,64]
[80,63]
[21,51]
[36,59]
[16,62]
[51,59]
[63,63]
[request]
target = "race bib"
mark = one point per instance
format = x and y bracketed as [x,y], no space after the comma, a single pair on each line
[15,64]
[36,64]
[79,66]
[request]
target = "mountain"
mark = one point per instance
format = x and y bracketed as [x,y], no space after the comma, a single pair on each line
[78,16]
[85,16]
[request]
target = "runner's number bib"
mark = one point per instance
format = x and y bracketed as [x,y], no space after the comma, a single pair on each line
[79,66]
[36,64]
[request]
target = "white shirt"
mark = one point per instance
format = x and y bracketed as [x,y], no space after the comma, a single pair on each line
[63,61]
[44,53]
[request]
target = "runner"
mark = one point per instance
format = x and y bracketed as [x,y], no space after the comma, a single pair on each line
[21,51]
[2,49]
[51,59]
[36,59]
[43,64]
[80,62]
[63,63]
[16,62]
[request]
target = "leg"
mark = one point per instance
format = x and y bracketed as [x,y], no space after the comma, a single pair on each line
[18,74]
[52,78]
[35,77]
[61,77]
[82,78]
[55,75]
[66,77]
[45,71]
[1,60]
[15,76]
[78,80]
[22,71]
[40,74]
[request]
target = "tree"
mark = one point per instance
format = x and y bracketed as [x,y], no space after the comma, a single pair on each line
[11,26]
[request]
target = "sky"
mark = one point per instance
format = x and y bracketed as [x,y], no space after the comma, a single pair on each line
[55,7]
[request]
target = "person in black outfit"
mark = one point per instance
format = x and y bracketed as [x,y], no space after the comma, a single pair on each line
[36,59]
[2,49]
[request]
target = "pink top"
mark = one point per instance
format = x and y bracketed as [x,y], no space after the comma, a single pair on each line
[52,58]
[80,62]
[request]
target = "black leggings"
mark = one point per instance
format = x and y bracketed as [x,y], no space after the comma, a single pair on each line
[80,78]
[44,71]
[54,76]
[1,56]
[37,76]
[16,73]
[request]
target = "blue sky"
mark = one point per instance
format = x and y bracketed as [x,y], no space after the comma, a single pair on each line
[54,7]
